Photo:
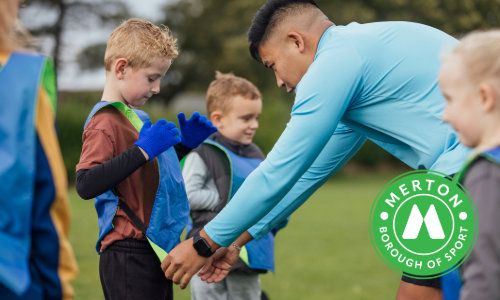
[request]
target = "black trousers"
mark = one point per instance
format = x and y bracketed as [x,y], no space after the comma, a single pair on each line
[130,270]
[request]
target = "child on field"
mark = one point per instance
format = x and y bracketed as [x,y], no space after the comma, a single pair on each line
[214,172]
[470,81]
[37,261]
[132,168]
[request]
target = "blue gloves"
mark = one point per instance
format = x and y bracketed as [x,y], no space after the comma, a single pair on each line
[195,130]
[155,140]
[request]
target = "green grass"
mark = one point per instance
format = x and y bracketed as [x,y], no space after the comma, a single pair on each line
[324,253]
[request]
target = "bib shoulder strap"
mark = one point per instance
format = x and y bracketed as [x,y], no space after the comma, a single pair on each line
[492,155]
[130,114]
[133,217]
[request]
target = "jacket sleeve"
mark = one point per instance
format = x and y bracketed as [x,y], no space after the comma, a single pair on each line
[201,194]
[101,178]
[323,95]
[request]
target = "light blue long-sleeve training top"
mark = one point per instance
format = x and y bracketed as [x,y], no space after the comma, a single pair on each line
[375,81]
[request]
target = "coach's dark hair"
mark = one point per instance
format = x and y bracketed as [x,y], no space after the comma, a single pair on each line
[262,18]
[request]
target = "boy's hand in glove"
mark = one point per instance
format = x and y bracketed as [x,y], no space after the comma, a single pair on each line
[155,139]
[195,130]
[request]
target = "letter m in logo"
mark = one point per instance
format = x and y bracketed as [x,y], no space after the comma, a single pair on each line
[415,221]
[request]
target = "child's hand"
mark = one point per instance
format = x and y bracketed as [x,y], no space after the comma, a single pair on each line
[195,130]
[223,261]
[158,138]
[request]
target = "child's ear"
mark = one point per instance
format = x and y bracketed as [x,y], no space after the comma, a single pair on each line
[488,97]
[216,117]
[120,66]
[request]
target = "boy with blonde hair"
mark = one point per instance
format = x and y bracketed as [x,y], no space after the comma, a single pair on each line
[132,168]
[470,81]
[214,172]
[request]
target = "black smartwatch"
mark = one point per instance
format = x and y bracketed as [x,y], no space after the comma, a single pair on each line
[201,246]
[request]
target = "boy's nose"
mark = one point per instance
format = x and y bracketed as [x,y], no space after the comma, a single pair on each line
[254,124]
[156,89]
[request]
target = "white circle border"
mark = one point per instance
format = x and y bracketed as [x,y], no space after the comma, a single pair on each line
[394,225]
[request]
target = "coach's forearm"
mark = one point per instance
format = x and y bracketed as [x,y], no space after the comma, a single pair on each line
[244,239]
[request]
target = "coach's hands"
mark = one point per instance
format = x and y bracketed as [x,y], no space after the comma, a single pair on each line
[223,261]
[182,263]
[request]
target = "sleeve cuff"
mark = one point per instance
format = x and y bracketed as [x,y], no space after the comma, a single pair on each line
[216,238]
[257,233]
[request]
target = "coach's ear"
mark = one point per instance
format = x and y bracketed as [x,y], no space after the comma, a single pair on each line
[120,66]
[296,40]
[216,118]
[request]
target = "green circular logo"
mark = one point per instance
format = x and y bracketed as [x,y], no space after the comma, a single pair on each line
[423,223]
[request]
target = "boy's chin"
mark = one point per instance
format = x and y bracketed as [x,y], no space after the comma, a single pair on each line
[139,102]
[244,140]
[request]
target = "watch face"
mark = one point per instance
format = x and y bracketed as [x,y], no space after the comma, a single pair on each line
[201,246]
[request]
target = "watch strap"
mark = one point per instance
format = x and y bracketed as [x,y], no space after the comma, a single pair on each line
[201,246]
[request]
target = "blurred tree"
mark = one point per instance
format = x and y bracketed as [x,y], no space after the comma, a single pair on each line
[454,17]
[92,57]
[212,36]
[73,13]
[212,33]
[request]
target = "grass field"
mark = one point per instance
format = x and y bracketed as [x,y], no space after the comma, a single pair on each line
[324,253]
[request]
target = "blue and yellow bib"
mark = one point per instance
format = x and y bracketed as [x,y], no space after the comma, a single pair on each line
[170,212]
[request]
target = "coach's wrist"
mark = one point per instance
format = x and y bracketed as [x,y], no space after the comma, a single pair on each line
[213,246]
[235,246]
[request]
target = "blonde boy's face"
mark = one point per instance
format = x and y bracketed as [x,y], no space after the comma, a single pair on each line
[240,123]
[136,87]
[463,109]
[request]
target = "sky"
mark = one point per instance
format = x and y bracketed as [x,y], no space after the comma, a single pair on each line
[70,77]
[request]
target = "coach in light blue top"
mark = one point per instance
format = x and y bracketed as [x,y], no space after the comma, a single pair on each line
[374,81]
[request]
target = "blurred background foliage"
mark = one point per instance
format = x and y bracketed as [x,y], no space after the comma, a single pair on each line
[212,33]
[212,36]
[68,14]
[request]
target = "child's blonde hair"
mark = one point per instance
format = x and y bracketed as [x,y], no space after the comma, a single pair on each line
[140,42]
[13,35]
[226,86]
[480,53]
